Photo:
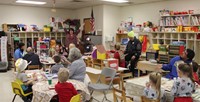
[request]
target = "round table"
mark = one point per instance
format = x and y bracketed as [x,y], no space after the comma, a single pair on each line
[43,92]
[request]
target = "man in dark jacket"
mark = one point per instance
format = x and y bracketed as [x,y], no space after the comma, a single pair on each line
[31,56]
[133,51]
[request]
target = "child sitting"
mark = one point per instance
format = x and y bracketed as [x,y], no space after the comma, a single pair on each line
[21,75]
[118,54]
[153,88]
[195,67]
[55,68]
[64,89]
[184,86]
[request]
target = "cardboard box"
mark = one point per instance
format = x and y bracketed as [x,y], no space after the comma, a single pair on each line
[112,63]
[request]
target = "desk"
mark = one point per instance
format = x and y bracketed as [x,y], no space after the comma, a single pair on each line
[135,87]
[147,66]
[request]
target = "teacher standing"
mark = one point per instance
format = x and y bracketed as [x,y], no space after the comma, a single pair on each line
[71,37]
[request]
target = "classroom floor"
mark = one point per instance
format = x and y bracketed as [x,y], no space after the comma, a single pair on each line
[6,94]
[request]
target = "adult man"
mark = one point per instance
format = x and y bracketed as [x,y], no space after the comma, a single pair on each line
[133,51]
[31,56]
[186,57]
[19,52]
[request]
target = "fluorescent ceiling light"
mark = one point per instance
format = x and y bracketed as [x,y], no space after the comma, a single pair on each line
[31,2]
[117,1]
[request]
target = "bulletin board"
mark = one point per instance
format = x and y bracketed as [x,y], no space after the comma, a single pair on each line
[87,26]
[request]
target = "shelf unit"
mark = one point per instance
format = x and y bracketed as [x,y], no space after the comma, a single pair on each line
[190,39]
[30,37]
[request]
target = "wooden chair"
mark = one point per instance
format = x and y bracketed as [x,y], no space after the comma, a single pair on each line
[145,99]
[121,95]
[31,67]
[121,91]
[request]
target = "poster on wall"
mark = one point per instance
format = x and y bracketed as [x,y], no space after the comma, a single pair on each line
[4,49]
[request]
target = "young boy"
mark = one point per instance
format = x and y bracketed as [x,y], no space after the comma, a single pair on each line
[55,68]
[21,75]
[64,89]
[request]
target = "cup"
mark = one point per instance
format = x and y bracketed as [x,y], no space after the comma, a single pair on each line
[49,81]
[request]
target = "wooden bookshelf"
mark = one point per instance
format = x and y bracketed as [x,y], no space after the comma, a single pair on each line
[26,37]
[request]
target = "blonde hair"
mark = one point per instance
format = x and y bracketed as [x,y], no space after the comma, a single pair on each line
[71,45]
[155,78]
[117,46]
[63,75]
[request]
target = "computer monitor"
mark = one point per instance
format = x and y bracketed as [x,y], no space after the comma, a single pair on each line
[124,41]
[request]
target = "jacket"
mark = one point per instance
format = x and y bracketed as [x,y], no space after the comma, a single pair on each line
[34,58]
[133,48]
[172,67]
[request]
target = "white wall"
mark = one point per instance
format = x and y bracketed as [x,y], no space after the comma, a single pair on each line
[107,19]
[150,12]
[30,15]
[111,21]
[86,13]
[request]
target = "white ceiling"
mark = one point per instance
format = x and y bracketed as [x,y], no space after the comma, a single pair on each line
[75,5]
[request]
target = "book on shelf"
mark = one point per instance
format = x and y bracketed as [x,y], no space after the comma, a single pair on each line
[174,21]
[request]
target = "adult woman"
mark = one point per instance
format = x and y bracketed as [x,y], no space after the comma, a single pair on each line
[77,68]
[71,37]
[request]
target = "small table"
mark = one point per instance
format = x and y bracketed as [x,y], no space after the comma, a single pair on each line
[147,66]
[43,92]
[135,87]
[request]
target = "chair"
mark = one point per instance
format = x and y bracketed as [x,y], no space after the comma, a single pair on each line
[76,98]
[121,95]
[99,86]
[17,90]
[121,90]
[31,67]
[145,99]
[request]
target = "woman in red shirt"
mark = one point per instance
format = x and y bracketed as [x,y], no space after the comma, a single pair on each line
[65,90]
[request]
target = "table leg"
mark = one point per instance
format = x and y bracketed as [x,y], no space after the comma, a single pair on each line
[138,73]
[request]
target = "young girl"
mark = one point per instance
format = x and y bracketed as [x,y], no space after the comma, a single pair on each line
[184,86]
[153,88]
[64,89]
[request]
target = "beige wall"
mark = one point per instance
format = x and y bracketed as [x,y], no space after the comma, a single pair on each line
[150,11]
[30,15]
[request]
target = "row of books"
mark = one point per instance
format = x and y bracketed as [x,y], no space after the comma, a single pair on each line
[195,20]
[174,21]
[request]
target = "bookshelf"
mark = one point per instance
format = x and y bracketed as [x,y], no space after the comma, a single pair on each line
[30,37]
[188,23]
[190,39]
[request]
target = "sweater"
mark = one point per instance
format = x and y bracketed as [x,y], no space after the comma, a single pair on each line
[172,67]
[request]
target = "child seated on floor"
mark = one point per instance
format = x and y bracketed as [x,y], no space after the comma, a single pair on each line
[195,67]
[64,89]
[153,88]
[21,75]
[55,68]
[184,86]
